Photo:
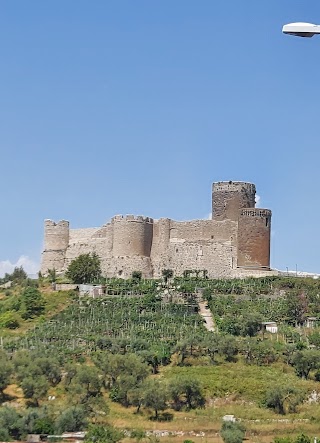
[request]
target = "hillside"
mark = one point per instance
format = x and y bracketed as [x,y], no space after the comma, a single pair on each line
[104,359]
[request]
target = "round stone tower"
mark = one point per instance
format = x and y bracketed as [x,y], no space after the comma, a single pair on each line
[132,241]
[56,241]
[132,235]
[229,197]
[254,230]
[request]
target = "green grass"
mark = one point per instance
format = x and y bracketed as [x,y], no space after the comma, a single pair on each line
[240,380]
[55,302]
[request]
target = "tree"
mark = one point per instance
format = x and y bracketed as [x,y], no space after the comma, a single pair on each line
[37,421]
[251,324]
[5,372]
[9,424]
[116,366]
[232,432]
[212,344]
[259,352]
[18,275]
[297,307]
[50,368]
[186,392]
[305,361]
[228,347]
[230,325]
[156,357]
[283,399]
[85,385]
[85,390]
[166,274]
[71,420]
[35,388]
[120,392]
[136,397]
[84,269]
[121,373]
[32,303]
[155,397]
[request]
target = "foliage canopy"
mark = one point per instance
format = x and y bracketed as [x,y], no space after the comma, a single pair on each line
[84,269]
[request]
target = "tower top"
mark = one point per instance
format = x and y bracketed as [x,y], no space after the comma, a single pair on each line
[232,186]
[230,196]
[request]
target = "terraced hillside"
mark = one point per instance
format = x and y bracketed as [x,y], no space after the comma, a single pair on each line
[145,354]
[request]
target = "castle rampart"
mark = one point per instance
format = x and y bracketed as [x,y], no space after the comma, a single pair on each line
[235,242]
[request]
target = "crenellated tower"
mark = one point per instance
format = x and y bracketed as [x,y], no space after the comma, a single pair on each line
[132,242]
[229,197]
[56,242]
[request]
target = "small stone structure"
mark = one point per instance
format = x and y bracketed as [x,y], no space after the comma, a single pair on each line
[234,243]
[270,326]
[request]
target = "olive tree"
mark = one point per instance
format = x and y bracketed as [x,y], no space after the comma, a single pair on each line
[85,268]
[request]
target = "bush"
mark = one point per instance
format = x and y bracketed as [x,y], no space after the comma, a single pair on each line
[103,434]
[283,399]
[9,320]
[37,421]
[232,432]
[71,420]
[10,427]
[302,438]
[136,275]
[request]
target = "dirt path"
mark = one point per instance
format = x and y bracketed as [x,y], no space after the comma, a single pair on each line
[206,314]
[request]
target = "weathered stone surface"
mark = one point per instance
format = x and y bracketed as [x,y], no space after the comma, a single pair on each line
[235,243]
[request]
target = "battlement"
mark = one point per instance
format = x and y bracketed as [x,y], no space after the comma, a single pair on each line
[231,186]
[61,223]
[132,218]
[255,213]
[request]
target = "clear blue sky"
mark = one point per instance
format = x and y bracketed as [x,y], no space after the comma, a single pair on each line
[122,106]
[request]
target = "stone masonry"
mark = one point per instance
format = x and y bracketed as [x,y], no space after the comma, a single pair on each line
[234,243]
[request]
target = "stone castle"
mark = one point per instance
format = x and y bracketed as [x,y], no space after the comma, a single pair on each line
[234,243]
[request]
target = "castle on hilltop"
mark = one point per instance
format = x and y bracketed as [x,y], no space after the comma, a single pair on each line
[234,243]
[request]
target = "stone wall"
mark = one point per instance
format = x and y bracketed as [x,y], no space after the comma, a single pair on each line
[198,244]
[238,237]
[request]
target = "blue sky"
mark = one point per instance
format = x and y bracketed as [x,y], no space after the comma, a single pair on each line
[115,107]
